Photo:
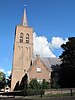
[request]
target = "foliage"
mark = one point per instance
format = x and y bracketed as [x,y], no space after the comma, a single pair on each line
[55,77]
[67,68]
[54,84]
[45,84]
[30,92]
[9,80]
[23,85]
[17,87]
[2,80]
[34,84]
[24,82]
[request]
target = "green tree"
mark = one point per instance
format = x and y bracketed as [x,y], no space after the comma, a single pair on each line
[67,68]
[55,77]
[9,80]
[17,87]
[24,83]
[34,84]
[54,84]
[45,84]
[2,80]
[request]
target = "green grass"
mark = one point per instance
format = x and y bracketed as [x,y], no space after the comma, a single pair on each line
[48,96]
[57,95]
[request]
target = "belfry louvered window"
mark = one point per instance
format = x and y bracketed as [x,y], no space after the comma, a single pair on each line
[21,38]
[27,38]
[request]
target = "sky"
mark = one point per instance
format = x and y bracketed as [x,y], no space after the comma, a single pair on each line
[53,22]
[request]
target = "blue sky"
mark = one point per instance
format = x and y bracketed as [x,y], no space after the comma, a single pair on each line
[50,19]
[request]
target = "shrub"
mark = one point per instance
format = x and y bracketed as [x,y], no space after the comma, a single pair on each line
[34,84]
[30,92]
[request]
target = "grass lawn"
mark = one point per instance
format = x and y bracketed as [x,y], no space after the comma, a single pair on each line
[48,96]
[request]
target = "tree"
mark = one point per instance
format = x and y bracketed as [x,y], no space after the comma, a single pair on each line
[67,68]
[9,80]
[24,82]
[45,84]
[16,86]
[55,77]
[2,80]
[34,84]
[54,84]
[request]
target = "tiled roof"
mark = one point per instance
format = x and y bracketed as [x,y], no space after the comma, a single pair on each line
[49,62]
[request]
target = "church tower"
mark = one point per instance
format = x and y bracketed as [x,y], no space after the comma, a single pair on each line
[23,51]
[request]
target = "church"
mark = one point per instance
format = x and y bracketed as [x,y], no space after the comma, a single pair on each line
[23,61]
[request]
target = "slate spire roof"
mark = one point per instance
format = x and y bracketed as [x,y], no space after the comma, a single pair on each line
[24,19]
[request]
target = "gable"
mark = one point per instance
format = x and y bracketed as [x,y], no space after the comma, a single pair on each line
[38,64]
[47,62]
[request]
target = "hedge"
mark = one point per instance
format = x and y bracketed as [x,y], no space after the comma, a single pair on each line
[30,92]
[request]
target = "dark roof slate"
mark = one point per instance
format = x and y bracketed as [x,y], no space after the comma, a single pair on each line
[49,62]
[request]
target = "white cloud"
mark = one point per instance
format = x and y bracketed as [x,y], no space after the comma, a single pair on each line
[2,70]
[8,73]
[41,46]
[44,48]
[57,42]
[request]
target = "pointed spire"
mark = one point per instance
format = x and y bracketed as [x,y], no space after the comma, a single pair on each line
[24,20]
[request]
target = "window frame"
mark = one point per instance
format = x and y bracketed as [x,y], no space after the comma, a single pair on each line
[21,37]
[38,69]
[27,38]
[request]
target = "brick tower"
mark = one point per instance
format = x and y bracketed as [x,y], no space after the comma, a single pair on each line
[23,51]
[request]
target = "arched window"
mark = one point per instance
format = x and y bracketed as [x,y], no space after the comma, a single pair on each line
[27,38]
[21,38]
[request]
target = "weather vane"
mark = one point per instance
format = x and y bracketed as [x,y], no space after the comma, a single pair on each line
[25,4]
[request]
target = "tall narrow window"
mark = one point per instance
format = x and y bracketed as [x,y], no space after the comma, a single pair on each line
[21,38]
[27,38]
